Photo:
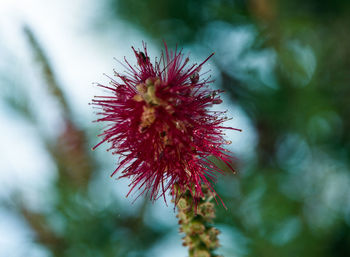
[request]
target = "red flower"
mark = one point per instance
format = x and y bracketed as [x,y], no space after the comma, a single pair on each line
[160,125]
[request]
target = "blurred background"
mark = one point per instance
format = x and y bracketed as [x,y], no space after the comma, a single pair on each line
[285,67]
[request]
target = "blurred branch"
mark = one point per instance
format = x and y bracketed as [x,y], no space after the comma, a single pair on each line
[47,71]
[38,223]
[44,234]
[70,150]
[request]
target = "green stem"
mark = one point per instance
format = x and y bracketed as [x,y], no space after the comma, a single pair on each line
[201,237]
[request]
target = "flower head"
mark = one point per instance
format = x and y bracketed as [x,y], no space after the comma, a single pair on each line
[160,125]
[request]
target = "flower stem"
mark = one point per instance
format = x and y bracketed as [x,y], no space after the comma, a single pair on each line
[201,237]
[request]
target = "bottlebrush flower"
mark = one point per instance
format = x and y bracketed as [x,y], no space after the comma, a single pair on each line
[160,125]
